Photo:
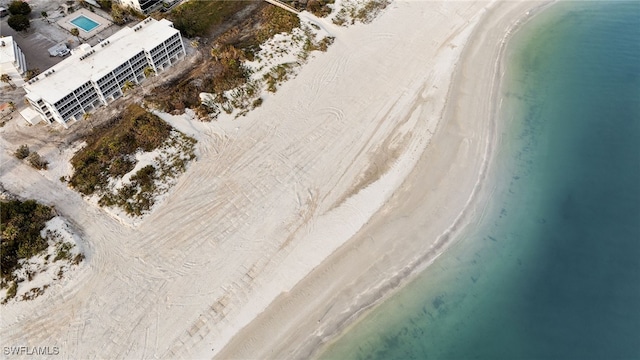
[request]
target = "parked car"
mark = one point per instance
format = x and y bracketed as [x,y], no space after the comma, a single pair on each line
[63,52]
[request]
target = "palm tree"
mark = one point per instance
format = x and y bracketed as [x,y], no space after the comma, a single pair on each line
[127,86]
[148,72]
[5,78]
[75,32]
[45,16]
[12,106]
[87,116]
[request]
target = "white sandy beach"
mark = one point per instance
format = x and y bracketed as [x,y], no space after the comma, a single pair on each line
[298,216]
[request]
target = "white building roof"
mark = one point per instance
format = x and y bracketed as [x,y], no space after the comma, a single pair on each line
[6,51]
[79,68]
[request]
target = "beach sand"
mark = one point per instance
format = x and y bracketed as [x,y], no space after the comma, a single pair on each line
[415,225]
[298,217]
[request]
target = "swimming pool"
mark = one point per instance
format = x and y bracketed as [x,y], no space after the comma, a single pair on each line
[84,23]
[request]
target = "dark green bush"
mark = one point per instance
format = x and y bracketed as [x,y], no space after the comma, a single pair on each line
[18,22]
[18,7]
[105,4]
[21,224]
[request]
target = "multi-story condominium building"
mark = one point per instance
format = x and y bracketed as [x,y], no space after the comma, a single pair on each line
[95,76]
[144,6]
[12,60]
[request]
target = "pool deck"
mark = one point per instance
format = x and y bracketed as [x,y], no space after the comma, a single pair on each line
[66,24]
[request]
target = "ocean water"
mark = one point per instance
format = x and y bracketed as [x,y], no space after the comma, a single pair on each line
[551,270]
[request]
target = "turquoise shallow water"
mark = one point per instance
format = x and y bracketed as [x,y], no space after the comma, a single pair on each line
[552,269]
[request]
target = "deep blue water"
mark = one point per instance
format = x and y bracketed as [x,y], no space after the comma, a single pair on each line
[552,270]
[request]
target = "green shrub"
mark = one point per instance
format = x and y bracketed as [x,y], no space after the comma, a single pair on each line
[31,73]
[137,196]
[36,161]
[18,22]
[105,4]
[11,292]
[21,223]
[121,166]
[77,259]
[22,152]
[63,251]
[18,7]
[325,43]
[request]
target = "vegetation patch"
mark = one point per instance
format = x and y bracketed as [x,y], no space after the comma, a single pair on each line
[224,83]
[198,18]
[109,166]
[137,194]
[21,224]
[276,21]
[110,149]
[119,14]
[276,76]
[19,19]
[353,11]
[36,161]
[38,253]
[320,8]
[22,152]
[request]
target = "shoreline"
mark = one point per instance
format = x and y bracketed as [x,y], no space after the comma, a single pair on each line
[317,342]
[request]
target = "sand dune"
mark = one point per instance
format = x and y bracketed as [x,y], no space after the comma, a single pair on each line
[280,198]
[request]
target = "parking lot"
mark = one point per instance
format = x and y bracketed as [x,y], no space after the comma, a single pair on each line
[33,44]
[44,34]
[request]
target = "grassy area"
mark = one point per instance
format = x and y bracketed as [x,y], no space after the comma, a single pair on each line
[21,223]
[275,21]
[110,149]
[198,18]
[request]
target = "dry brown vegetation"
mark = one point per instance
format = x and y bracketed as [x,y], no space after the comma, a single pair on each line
[202,18]
[317,7]
[225,70]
